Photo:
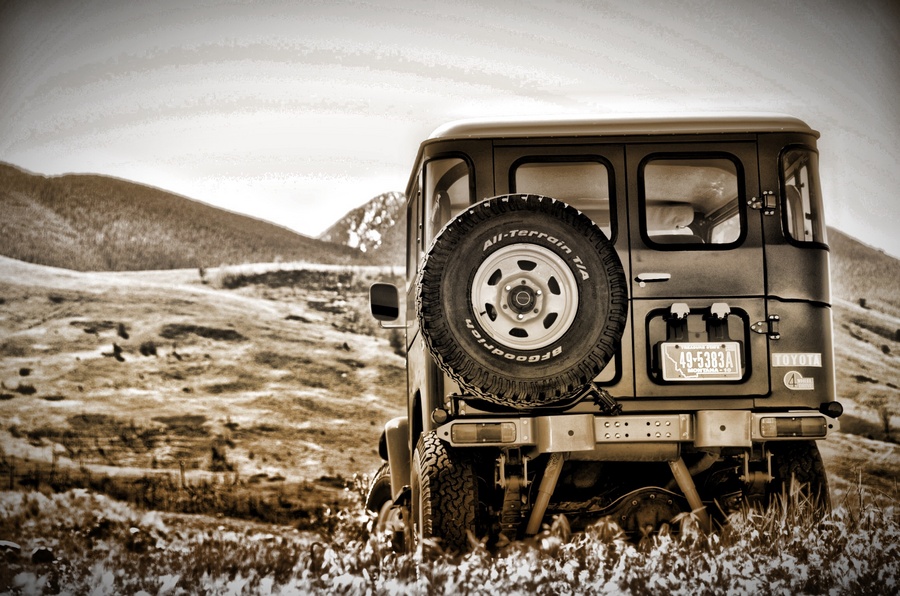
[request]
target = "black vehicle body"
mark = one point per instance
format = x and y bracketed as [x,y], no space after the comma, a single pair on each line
[719,376]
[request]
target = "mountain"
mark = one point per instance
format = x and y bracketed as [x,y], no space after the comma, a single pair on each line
[376,228]
[100,223]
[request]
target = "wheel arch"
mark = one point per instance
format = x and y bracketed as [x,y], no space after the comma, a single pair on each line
[417,422]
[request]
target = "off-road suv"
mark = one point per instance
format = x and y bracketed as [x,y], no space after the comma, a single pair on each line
[623,318]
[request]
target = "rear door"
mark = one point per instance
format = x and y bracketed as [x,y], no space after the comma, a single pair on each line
[697,272]
[590,177]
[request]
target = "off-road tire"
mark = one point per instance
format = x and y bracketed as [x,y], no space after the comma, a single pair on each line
[379,490]
[800,461]
[444,494]
[525,258]
[380,500]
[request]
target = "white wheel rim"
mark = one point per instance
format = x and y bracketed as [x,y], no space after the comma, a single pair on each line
[525,296]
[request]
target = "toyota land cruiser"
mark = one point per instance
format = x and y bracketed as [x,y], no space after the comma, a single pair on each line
[622,318]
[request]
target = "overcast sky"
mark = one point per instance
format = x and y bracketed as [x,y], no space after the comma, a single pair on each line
[296,112]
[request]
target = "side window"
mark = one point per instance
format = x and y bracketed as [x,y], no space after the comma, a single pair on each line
[447,193]
[413,232]
[691,201]
[802,199]
[582,184]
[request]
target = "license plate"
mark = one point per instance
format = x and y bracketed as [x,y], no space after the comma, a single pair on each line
[701,361]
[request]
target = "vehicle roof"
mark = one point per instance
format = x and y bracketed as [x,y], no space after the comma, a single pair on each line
[645,124]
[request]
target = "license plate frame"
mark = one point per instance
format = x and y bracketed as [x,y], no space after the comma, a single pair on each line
[713,361]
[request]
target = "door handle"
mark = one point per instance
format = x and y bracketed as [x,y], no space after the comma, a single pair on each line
[644,278]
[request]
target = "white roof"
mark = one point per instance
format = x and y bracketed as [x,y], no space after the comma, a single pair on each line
[645,124]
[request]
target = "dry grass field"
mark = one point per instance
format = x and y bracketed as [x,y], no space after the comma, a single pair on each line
[173,379]
[252,398]
[274,376]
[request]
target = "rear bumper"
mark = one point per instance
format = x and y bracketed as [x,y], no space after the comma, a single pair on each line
[587,432]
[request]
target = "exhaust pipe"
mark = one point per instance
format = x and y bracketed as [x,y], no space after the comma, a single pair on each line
[548,485]
[687,486]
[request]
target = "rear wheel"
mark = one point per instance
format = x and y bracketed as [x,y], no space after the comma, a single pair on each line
[391,518]
[379,500]
[798,471]
[444,494]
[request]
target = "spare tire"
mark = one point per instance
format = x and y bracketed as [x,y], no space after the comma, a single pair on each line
[522,300]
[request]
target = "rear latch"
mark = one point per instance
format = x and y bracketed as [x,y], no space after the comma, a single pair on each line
[766,203]
[769,327]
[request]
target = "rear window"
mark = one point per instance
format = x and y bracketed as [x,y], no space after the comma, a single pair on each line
[582,183]
[692,201]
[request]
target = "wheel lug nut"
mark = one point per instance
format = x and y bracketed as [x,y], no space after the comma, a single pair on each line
[508,288]
[538,292]
[520,317]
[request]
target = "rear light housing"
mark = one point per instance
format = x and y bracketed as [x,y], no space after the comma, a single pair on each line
[481,432]
[771,427]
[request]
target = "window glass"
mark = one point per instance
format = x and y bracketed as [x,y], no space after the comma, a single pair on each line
[692,200]
[802,197]
[413,235]
[446,193]
[726,231]
[582,184]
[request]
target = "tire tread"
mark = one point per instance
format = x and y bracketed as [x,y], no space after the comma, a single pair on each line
[507,390]
[449,493]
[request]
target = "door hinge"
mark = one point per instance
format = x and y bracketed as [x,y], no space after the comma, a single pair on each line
[769,327]
[766,203]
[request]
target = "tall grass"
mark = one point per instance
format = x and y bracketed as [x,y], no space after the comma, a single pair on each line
[105,547]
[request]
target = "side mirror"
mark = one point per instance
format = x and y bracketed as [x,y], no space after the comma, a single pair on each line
[384,302]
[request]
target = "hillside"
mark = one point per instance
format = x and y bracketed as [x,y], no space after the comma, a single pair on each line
[99,223]
[267,375]
[860,272]
[866,297]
